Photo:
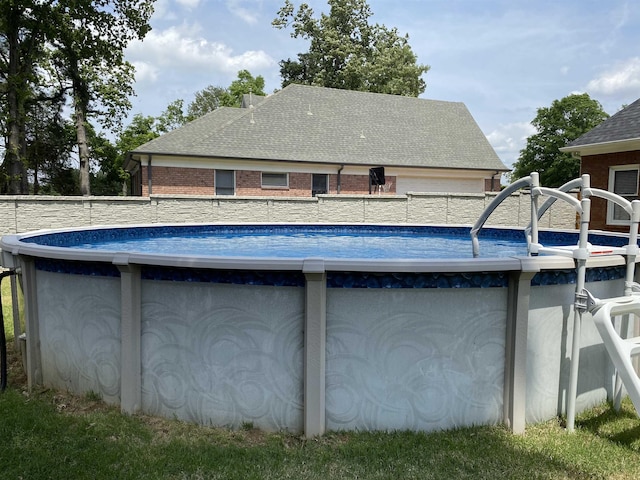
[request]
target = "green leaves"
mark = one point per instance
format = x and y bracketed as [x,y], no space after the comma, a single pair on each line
[557,125]
[347,52]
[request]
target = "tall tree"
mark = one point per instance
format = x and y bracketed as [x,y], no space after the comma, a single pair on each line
[90,39]
[556,126]
[49,147]
[347,52]
[22,29]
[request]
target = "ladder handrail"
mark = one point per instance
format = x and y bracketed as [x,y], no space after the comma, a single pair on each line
[517,185]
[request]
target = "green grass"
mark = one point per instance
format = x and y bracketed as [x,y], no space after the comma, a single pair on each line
[52,435]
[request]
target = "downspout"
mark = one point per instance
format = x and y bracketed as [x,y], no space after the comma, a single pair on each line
[339,182]
[149,182]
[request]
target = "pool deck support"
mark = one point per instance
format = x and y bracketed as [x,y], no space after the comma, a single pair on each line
[315,340]
[130,335]
[515,362]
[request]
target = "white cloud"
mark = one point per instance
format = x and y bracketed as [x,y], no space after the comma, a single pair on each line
[161,10]
[181,48]
[248,14]
[190,4]
[623,79]
[145,72]
[508,139]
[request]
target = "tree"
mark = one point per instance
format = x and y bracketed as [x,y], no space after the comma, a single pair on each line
[347,52]
[243,85]
[49,140]
[172,118]
[90,38]
[22,29]
[564,121]
[210,99]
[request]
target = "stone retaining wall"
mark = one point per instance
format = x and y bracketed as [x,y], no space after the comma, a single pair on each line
[22,213]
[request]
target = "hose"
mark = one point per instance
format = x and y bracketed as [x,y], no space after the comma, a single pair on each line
[3,339]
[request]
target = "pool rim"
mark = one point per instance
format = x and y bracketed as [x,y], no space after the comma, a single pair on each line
[12,245]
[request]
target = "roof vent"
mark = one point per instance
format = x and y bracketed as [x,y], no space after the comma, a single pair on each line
[309,112]
[252,121]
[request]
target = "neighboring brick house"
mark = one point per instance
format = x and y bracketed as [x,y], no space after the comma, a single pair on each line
[610,154]
[303,141]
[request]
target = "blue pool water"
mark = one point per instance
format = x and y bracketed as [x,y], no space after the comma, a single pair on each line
[304,245]
[296,241]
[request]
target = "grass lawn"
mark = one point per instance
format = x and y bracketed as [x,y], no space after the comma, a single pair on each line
[53,435]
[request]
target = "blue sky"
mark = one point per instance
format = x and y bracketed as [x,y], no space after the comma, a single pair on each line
[503,58]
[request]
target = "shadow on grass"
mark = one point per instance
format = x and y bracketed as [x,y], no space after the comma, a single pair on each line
[621,427]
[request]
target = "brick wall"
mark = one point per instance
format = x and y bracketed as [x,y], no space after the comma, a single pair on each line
[200,181]
[175,181]
[597,166]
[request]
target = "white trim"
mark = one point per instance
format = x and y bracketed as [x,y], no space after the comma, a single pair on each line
[610,205]
[615,146]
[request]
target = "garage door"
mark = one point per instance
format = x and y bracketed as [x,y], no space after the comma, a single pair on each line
[447,185]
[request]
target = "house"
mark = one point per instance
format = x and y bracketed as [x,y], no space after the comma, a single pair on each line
[303,141]
[610,154]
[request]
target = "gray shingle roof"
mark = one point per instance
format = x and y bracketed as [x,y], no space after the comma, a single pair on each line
[322,125]
[624,125]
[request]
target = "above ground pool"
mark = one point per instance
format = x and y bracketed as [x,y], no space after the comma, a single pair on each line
[306,328]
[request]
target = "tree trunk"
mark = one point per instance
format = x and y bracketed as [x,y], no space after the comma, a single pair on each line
[13,161]
[83,146]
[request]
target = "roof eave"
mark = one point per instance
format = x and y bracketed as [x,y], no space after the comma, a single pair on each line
[616,146]
[135,157]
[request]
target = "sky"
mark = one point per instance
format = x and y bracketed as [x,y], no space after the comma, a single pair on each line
[504,59]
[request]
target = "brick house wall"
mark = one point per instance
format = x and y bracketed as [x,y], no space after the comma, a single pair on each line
[200,181]
[492,184]
[597,166]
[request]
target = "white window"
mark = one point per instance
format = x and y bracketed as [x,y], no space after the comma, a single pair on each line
[623,180]
[275,180]
[225,182]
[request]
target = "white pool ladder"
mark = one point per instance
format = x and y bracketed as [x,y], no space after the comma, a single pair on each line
[621,350]
[580,253]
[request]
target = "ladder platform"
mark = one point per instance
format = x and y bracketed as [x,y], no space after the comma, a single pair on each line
[572,250]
